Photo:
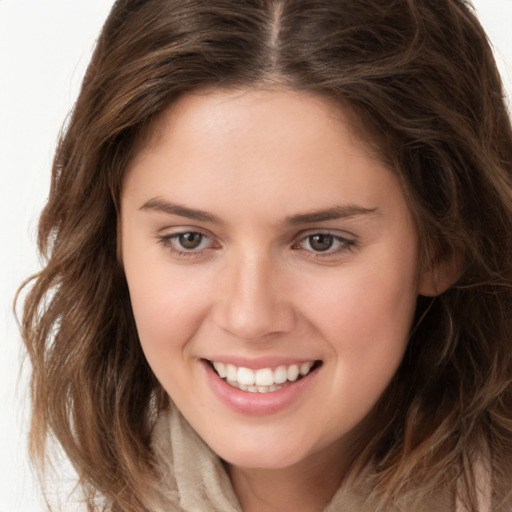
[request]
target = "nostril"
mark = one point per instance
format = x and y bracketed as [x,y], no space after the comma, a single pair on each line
[251,321]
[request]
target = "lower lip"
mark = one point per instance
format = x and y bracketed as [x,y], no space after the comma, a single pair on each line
[257,404]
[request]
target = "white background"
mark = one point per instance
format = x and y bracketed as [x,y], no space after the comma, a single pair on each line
[44,49]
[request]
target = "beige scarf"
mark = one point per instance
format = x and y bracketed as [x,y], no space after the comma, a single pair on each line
[193,478]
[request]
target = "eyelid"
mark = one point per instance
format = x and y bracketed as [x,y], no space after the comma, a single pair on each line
[166,238]
[347,242]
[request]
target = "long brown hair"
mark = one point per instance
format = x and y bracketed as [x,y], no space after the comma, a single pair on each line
[421,78]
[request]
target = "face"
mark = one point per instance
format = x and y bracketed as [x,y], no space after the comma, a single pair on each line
[273,270]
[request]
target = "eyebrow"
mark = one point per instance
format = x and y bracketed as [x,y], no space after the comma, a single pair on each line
[333,213]
[159,204]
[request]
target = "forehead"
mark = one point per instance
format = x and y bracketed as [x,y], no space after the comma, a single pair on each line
[232,111]
[290,150]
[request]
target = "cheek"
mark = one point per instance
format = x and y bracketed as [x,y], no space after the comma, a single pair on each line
[369,300]
[366,316]
[168,303]
[366,324]
[166,319]
[168,314]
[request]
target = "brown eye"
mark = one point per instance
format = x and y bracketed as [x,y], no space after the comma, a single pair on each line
[190,240]
[321,242]
[188,244]
[326,244]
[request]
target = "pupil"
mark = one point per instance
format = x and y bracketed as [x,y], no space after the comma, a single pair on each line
[321,242]
[190,240]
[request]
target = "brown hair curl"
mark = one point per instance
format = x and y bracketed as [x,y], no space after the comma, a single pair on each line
[422,80]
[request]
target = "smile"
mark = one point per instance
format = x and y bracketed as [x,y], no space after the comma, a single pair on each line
[262,380]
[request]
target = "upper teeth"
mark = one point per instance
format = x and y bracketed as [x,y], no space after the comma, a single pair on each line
[263,376]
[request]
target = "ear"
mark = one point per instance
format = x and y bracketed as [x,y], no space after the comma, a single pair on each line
[439,275]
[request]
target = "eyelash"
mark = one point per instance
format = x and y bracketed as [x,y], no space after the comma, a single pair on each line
[168,242]
[344,244]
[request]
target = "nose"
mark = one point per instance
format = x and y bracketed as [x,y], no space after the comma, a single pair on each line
[253,301]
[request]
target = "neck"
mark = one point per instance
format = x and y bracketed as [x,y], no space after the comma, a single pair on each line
[307,486]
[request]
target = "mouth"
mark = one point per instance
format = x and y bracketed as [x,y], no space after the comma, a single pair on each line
[263,380]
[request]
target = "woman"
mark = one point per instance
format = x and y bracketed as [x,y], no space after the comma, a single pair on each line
[278,242]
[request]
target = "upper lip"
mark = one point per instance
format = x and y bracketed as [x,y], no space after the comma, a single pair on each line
[260,362]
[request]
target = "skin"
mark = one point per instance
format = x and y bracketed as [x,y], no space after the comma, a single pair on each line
[256,287]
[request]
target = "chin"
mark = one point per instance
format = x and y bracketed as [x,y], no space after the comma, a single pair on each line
[270,455]
[259,460]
